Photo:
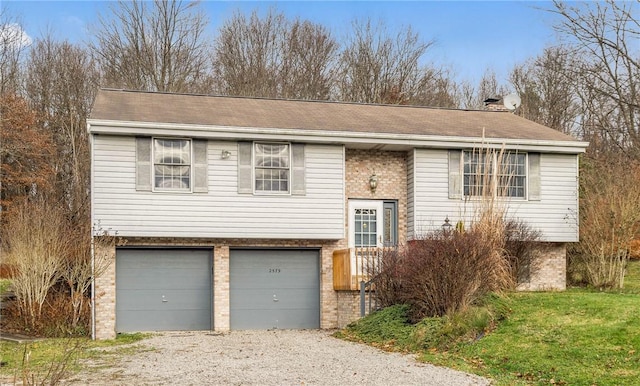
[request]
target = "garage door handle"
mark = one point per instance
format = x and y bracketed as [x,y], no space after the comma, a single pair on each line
[275,298]
[164,300]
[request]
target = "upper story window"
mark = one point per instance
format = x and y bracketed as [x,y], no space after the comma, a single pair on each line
[512,175]
[272,167]
[490,172]
[172,164]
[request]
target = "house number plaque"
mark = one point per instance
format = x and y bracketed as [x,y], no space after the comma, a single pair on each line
[274,270]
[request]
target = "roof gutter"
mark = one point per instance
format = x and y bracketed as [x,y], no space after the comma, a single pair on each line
[96,126]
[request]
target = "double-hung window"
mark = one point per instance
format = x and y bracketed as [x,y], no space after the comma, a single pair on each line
[512,174]
[171,164]
[494,173]
[272,169]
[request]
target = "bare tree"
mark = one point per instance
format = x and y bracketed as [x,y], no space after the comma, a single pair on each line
[26,152]
[308,65]
[473,97]
[436,88]
[154,46]
[548,94]
[13,42]
[247,54]
[274,57]
[61,81]
[377,66]
[606,37]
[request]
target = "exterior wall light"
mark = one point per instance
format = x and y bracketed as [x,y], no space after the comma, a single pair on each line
[373,183]
[446,226]
[225,154]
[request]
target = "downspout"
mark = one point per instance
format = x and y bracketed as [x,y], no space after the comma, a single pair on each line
[93,288]
[93,259]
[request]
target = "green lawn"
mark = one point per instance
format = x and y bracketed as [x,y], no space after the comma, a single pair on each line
[576,337]
[43,360]
[573,338]
[632,278]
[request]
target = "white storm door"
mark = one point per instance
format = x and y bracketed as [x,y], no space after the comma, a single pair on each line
[365,224]
[365,232]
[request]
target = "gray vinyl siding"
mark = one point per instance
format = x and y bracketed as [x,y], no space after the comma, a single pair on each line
[221,212]
[554,215]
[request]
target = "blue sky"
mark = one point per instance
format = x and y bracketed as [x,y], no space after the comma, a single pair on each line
[470,36]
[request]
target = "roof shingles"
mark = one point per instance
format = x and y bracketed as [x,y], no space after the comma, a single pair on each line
[150,107]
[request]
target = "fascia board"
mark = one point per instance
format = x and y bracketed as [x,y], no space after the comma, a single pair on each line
[333,137]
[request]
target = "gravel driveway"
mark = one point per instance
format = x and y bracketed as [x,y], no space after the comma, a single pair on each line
[281,357]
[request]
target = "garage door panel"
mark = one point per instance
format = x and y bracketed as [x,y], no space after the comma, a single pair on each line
[257,283]
[285,299]
[269,319]
[291,275]
[163,289]
[189,320]
[153,299]
[157,279]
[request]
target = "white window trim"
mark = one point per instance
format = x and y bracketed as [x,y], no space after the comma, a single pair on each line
[253,170]
[494,177]
[153,167]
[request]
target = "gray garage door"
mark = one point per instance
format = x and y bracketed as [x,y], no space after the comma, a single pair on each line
[274,289]
[163,290]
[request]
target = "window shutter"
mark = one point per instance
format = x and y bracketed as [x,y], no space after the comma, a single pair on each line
[143,163]
[455,180]
[534,176]
[245,185]
[200,183]
[297,170]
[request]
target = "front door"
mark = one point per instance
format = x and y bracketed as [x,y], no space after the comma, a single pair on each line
[366,235]
[366,228]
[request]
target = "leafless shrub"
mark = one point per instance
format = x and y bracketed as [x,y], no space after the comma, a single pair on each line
[522,249]
[57,369]
[609,222]
[442,273]
[79,268]
[34,244]
[445,271]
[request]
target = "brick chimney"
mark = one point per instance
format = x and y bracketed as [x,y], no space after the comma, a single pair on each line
[494,104]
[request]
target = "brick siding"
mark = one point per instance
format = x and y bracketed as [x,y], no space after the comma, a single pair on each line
[549,271]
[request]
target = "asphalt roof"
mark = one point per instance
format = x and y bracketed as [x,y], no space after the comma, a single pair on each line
[154,107]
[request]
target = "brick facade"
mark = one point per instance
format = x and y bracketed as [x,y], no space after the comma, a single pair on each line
[391,170]
[105,293]
[549,271]
[105,285]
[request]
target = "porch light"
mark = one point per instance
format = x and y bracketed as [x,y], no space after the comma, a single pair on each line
[446,226]
[373,183]
[225,154]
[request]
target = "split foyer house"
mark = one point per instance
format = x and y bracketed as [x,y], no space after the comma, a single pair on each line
[229,212]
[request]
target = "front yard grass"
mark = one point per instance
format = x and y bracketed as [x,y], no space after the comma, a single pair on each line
[45,360]
[576,337]
[632,278]
[573,338]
